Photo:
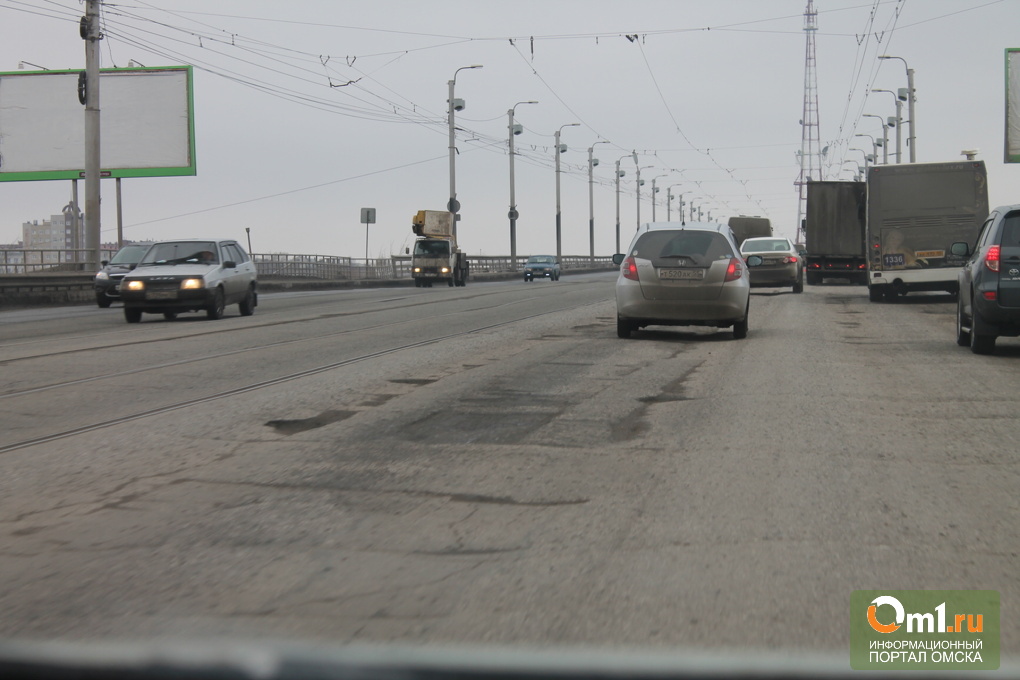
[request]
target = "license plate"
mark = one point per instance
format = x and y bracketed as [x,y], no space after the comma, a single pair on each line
[681,274]
[161,295]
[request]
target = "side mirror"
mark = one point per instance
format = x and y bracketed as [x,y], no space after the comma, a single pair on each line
[960,249]
[407,251]
[103,263]
[230,264]
[754,261]
[618,258]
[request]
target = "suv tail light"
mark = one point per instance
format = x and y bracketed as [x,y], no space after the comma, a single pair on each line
[734,270]
[992,258]
[629,269]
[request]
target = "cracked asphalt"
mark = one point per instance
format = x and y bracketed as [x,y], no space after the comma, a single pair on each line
[537,483]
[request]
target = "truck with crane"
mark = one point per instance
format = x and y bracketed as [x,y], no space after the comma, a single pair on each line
[436,256]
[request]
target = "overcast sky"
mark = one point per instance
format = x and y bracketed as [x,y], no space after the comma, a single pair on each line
[309,110]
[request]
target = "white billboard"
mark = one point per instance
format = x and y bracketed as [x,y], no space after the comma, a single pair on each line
[146,117]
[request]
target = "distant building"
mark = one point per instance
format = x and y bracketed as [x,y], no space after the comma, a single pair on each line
[52,234]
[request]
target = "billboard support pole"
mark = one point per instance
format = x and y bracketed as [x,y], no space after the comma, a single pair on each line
[90,33]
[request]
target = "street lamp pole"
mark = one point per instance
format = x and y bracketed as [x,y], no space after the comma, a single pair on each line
[513,215]
[885,137]
[558,151]
[669,203]
[655,191]
[453,206]
[912,115]
[592,162]
[639,191]
[898,125]
[874,144]
[619,173]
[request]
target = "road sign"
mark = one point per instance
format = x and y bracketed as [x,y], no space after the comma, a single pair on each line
[368,215]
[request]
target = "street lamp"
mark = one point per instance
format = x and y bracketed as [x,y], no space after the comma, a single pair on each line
[669,203]
[619,173]
[885,137]
[857,165]
[639,183]
[592,162]
[911,140]
[874,145]
[455,105]
[655,190]
[513,215]
[898,121]
[867,158]
[559,150]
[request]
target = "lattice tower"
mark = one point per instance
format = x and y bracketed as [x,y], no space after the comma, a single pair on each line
[810,155]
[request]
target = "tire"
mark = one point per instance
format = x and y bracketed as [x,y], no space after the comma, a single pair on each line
[814,278]
[798,286]
[740,327]
[979,342]
[962,336]
[875,294]
[132,315]
[215,309]
[247,305]
[169,316]
[102,300]
[623,328]
[449,282]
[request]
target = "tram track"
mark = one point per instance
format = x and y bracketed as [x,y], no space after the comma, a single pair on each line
[297,375]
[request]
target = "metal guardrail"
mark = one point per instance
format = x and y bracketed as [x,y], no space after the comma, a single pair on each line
[285,265]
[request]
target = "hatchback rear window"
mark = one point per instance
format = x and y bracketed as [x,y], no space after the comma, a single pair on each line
[697,245]
[1011,230]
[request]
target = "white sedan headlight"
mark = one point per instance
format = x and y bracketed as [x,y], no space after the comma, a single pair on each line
[136,285]
[192,284]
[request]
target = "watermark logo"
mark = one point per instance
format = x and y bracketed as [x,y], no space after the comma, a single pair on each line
[924,629]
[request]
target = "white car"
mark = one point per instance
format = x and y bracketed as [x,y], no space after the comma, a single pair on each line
[190,276]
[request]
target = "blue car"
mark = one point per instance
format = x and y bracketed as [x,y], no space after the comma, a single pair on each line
[546,266]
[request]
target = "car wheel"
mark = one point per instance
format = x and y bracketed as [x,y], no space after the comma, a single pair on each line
[740,327]
[102,300]
[798,286]
[814,278]
[169,316]
[875,294]
[623,328]
[979,342]
[962,336]
[132,315]
[215,309]
[247,305]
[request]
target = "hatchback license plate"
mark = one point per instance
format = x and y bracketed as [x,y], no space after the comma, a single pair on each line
[161,295]
[681,274]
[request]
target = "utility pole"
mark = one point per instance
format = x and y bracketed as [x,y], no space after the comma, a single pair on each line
[89,31]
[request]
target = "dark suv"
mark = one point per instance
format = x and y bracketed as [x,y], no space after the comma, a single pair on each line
[989,301]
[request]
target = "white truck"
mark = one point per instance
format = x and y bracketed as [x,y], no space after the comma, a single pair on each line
[916,211]
[436,256]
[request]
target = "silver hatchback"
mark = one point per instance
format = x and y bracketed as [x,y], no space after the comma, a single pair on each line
[683,275]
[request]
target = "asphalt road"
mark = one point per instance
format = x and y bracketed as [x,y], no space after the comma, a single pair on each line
[490,464]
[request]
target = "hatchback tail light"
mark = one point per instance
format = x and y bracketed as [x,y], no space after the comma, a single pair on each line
[992,258]
[629,269]
[734,270]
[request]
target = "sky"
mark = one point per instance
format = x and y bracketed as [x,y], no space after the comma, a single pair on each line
[308,111]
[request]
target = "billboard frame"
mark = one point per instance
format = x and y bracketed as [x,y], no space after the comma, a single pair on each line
[188,169]
[1011,142]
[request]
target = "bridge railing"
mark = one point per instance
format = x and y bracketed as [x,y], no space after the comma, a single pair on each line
[285,265]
